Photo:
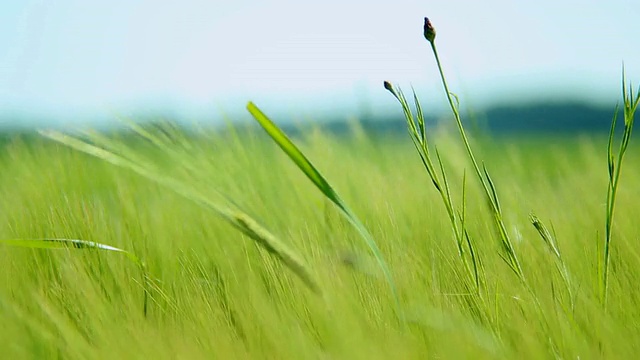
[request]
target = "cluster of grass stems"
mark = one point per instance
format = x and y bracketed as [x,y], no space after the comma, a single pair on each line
[479,286]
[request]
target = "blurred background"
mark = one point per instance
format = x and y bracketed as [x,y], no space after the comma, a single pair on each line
[515,64]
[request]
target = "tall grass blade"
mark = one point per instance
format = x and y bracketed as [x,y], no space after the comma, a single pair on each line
[294,154]
[323,185]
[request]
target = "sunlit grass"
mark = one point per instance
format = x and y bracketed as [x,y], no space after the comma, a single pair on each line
[213,292]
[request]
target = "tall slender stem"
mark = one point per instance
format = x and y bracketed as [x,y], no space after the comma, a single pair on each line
[494,206]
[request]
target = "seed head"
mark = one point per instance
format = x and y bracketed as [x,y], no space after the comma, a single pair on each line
[429,31]
[388,86]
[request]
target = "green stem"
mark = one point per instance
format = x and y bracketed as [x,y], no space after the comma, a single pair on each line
[613,190]
[494,206]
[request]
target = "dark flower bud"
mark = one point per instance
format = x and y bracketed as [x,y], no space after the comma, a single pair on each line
[429,30]
[388,86]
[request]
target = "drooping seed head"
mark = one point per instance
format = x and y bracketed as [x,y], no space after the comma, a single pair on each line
[429,30]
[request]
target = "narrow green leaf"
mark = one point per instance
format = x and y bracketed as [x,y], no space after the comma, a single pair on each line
[422,126]
[494,195]
[445,182]
[610,161]
[293,152]
[323,185]
[474,259]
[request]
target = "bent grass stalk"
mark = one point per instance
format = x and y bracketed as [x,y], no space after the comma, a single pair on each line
[292,151]
[237,218]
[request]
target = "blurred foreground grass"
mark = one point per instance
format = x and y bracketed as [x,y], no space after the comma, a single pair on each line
[214,293]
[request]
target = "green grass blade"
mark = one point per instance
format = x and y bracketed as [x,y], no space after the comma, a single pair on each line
[422,126]
[493,195]
[294,154]
[323,185]
[610,161]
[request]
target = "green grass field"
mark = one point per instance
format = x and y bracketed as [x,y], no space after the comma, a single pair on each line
[214,293]
[162,244]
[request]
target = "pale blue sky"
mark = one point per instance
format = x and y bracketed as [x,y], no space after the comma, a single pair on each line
[86,59]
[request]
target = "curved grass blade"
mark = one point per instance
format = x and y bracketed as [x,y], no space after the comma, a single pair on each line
[323,185]
[294,154]
[237,218]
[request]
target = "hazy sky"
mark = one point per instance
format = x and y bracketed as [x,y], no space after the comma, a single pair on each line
[96,58]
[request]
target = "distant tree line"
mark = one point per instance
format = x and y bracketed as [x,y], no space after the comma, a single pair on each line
[542,118]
